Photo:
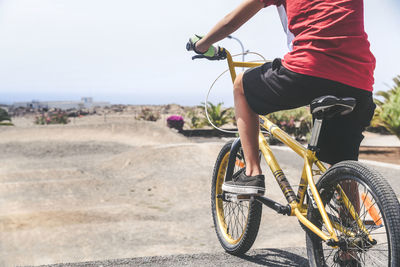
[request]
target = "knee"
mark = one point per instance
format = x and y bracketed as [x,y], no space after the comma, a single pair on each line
[238,85]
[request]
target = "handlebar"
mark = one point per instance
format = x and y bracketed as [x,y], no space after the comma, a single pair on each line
[220,55]
[190,46]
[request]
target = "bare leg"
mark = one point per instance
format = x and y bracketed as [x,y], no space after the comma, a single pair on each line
[248,125]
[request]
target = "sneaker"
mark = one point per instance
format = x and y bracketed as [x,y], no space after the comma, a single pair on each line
[243,184]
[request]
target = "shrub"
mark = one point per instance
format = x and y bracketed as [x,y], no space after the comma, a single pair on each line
[387,113]
[296,122]
[148,115]
[52,117]
[218,115]
[196,119]
[175,122]
[4,115]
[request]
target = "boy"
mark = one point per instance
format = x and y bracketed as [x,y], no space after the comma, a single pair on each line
[329,55]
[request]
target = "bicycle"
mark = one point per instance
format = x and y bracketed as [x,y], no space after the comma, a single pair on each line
[351,215]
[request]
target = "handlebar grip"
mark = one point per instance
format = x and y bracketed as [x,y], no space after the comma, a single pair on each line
[217,52]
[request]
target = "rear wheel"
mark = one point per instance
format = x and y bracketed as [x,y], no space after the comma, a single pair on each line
[373,202]
[236,220]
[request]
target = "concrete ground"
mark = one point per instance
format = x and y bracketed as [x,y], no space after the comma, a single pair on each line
[124,189]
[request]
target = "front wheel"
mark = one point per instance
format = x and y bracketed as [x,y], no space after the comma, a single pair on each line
[236,220]
[368,229]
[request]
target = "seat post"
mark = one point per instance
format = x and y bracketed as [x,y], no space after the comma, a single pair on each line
[315,134]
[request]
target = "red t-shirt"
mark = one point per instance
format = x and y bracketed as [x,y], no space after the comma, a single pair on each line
[329,40]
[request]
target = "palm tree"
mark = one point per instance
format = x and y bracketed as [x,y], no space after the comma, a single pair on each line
[218,115]
[387,113]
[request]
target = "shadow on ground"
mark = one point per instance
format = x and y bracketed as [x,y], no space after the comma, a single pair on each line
[275,257]
[259,257]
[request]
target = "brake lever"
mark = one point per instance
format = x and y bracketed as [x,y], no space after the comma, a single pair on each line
[220,56]
[198,56]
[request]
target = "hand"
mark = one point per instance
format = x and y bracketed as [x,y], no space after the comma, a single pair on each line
[197,44]
[201,47]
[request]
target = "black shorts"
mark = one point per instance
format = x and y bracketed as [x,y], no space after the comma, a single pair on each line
[271,87]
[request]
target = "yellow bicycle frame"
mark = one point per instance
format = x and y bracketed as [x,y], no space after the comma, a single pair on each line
[298,208]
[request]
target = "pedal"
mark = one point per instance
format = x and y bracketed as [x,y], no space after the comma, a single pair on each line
[232,197]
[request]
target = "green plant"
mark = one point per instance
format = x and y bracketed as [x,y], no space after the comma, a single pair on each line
[148,115]
[196,119]
[296,122]
[52,117]
[387,112]
[4,115]
[218,115]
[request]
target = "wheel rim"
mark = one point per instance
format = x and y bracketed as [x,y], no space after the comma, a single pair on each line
[356,248]
[232,216]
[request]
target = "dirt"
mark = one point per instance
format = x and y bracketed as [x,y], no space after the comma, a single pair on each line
[119,188]
[381,154]
[102,190]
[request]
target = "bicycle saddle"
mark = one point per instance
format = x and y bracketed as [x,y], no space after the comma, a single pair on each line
[329,106]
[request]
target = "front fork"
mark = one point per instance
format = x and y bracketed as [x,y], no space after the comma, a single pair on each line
[232,159]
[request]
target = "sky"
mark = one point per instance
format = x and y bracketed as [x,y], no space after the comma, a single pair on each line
[133,52]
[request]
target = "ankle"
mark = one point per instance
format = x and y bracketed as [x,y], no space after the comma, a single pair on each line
[253,171]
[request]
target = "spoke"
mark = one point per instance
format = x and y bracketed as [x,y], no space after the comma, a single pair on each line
[237,224]
[228,209]
[380,233]
[330,254]
[363,203]
[378,250]
[366,210]
[363,256]
[229,218]
[339,213]
[332,216]
[380,244]
[362,206]
[323,227]
[372,228]
[340,219]
[238,220]
[233,220]
[240,216]
[243,216]
[242,208]
[374,259]
[365,253]
[240,225]
[237,209]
